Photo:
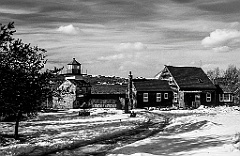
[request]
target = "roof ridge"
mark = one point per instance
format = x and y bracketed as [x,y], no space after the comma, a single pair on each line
[74,62]
[183,66]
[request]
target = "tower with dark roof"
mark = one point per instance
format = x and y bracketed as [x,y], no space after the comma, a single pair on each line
[74,67]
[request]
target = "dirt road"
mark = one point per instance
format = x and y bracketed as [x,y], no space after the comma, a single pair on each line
[102,144]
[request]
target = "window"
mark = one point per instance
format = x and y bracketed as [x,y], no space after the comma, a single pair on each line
[227,97]
[165,95]
[220,97]
[208,97]
[158,97]
[145,97]
[175,97]
[69,66]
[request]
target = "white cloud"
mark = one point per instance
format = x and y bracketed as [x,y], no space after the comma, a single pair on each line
[127,56]
[222,49]
[132,64]
[112,57]
[222,39]
[69,29]
[17,11]
[234,24]
[137,46]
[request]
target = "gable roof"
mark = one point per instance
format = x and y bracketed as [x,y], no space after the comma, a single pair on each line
[109,89]
[151,85]
[74,62]
[190,78]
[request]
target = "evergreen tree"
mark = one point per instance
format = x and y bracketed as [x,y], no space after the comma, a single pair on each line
[24,86]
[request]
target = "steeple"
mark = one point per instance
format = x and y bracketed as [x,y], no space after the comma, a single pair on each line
[74,67]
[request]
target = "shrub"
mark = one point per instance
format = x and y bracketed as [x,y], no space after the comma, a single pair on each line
[237,141]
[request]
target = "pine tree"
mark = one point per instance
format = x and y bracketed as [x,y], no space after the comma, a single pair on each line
[24,86]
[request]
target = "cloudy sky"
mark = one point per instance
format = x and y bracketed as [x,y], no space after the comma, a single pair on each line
[112,37]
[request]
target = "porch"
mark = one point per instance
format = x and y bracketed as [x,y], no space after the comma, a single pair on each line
[193,99]
[189,99]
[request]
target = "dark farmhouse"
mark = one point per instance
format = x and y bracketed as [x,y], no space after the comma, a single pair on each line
[191,86]
[151,93]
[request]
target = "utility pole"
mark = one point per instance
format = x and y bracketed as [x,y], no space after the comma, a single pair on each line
[130,101]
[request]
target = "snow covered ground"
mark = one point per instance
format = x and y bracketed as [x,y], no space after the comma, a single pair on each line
[200,132]
[51,130]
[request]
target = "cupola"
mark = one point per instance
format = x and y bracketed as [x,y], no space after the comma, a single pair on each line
[74,67]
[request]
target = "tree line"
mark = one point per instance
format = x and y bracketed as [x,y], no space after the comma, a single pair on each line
[229,78]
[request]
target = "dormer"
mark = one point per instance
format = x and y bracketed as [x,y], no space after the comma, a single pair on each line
[74,67]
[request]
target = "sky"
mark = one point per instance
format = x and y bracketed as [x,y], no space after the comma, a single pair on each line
[113,37]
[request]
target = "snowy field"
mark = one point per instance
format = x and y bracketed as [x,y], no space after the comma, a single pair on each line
[200,132]
[52,130]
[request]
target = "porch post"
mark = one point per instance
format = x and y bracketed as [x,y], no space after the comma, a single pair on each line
[181,100]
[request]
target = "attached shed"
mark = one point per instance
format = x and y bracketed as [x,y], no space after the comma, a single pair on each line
[226,95]
[151,93]
[236,96]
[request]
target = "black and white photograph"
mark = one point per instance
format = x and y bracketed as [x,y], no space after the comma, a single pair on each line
[119,77]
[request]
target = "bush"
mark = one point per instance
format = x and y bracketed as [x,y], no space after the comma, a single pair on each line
[12,117]
[237,141]
[133,114]
[84,113]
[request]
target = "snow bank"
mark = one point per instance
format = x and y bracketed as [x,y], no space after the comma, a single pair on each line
[135,154]
[200,132]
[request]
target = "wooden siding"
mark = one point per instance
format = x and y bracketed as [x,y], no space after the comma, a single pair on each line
[107,100]
[189,99]
[152,100]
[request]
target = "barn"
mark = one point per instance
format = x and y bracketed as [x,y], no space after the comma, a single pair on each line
[191,86]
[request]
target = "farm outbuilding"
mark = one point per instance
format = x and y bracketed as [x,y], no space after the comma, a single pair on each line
[71,93]
[151,93]
[108,96]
